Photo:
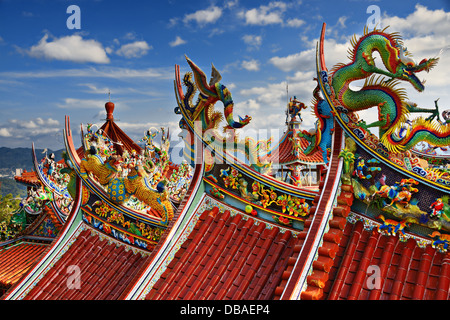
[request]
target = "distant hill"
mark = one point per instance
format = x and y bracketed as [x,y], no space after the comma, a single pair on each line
[13,158]
[8,185]
[18,158]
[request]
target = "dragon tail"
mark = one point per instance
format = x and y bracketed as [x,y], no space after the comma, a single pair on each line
[225,96]
[432,132]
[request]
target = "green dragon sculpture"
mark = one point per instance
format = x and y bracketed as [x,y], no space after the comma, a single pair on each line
[380,90]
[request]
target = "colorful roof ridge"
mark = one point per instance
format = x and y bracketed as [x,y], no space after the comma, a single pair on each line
[226,257]
[47,213]
[105,270]
[16,260]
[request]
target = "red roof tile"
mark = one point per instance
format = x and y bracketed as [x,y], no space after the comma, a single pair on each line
[226,257]
[406,271]
[104,268]
[28,178]
[16,260]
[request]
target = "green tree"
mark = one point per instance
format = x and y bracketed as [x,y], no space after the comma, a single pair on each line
[8,205]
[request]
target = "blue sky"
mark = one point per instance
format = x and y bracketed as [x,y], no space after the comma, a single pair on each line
[130,47]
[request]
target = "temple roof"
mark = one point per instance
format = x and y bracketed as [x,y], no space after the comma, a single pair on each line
[227,257]
[16,260]
[407,270]
[284,154]
[28,178]
[105,269]
[112,131]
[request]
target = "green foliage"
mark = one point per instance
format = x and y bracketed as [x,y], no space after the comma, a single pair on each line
[8,204]
[8,186]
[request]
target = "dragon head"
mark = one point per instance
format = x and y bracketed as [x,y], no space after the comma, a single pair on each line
[244,121]
[407,68]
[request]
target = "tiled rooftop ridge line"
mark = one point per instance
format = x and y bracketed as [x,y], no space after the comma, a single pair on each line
[221,258]
[319,221]
[423,272]
[37,292]
[231,277]
[205,289]
[43,273]
[21,258]
[364,263]
[330,246]
[345,265]
[194,254]
[384,264]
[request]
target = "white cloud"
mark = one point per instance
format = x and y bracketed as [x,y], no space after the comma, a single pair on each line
[204,16]
[342,20]
[294,61]
[250,104]
[178,41]
[107,72]
[70,48]
[20,129]
[5,132]
[272,94]
[425,33]
[295,23]
[135,49]
[71,103]
[231,86]
[421,22]
[305,60]
[130,35]
[250,65]
[265,14]
[252,40]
